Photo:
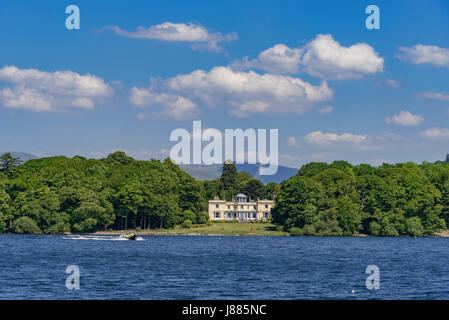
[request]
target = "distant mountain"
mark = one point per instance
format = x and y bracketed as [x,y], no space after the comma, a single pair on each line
[22,155]
[202,172]
[210,172]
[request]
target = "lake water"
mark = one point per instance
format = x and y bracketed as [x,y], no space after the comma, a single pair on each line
[232,267]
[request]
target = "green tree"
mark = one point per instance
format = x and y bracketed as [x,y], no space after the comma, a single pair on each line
[312,168]
[7,162]
[297,202]
[25,225]
[414,227]
[228,180]
[254,189]
[273,189]
[5,200]
[348,215]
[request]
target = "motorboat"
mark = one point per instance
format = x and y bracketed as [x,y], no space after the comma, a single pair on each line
[129,236]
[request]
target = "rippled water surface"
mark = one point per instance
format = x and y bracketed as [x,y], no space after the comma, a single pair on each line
[212,267]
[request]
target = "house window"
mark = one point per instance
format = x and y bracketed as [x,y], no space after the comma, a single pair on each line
[254,207]
[241,207]
[254,215]
[217,215]
[216,206]
[266,215]
[266,206]
[231,215]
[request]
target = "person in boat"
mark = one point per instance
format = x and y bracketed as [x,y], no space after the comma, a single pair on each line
[131,236]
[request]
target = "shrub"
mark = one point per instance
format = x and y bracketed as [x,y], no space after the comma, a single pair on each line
[58,228]
[414,227]
[202,217]
[296,231]
[281,228]
[375,228]
[25,225]
[186,224]
[88,225]
[187,215]
[390,231]
[308,230]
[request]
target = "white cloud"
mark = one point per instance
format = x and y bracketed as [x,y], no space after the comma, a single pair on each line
[391,83]
[326,139]
[353,141]
[406,119]
[244,93]
[83,103]
[25,98]
[173,106]
[50,91]
[434,95]
[326,110]
[292,142]
[277,59]
[169,31]
[322,57]
[425,54]
[435,133]
[326,58]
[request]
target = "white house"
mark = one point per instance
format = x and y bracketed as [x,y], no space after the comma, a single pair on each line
[241,208]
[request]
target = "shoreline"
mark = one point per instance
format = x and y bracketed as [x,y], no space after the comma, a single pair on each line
[441,234]
[229,229]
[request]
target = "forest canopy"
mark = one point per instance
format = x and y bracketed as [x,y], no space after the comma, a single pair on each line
[342,199]
[60,194]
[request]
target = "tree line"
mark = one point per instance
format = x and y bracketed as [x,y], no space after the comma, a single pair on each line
[60,194]
[341,199]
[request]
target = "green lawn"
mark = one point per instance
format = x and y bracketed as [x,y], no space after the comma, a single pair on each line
[249,229]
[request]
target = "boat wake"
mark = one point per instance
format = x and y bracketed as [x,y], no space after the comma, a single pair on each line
[100,238]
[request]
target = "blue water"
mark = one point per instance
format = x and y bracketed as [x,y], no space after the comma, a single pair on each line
[233,267]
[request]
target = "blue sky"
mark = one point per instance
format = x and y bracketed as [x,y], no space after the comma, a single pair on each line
[334,89]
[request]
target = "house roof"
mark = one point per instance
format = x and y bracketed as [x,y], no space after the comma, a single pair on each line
[241,195]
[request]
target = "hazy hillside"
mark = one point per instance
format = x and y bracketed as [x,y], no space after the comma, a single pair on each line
[22,155]
[210,172]
[207,172]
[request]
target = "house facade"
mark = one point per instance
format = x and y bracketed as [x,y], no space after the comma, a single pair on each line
[241,208]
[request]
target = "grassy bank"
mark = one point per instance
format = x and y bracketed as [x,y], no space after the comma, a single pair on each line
[226,229]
